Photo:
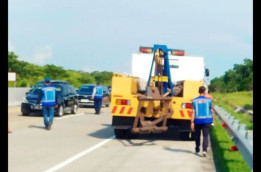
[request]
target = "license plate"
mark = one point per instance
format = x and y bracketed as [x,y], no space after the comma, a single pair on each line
[34,107]
[84,100]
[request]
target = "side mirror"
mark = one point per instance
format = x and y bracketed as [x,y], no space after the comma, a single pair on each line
[207,72]
[27,93]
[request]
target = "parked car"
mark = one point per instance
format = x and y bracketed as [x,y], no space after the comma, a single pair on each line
[85,95]
[67,98]
[42,82]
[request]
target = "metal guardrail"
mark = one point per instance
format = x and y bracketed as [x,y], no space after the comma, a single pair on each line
[239,134]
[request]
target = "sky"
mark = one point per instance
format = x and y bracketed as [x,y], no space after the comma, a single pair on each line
[102,35]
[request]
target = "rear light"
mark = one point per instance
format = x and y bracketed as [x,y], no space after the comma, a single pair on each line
[177,52]
[146,49]
[186,105]
[122,102]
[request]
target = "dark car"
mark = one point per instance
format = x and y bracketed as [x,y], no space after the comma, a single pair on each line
[85,95]
[66,94]
[42,82]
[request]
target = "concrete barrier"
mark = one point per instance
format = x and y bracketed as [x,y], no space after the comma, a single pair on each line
[16,95]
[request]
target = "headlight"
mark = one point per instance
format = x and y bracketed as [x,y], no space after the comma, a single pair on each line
[25,100]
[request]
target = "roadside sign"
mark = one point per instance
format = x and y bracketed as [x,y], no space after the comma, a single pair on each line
[11,76]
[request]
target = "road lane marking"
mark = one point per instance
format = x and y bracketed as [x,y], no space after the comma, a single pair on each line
[79,155]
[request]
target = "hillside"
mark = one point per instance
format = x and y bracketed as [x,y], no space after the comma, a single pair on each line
[229,101]
[28,74]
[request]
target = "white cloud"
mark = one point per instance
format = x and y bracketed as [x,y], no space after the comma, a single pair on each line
[11,46]
[41,55]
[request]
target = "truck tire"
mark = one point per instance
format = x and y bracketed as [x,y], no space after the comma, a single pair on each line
[131,135]
[184,135]
[120,133]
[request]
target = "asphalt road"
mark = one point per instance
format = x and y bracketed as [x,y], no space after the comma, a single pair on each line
[85,142]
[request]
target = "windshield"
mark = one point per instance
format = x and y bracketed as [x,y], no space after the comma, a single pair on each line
[86,89]
[38,89]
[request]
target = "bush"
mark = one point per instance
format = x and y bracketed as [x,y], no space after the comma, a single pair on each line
[248,107]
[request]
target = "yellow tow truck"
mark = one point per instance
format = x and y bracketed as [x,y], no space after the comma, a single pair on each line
[139,106]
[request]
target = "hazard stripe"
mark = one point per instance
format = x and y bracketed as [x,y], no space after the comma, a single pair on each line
[181,113]
[122,110]
[130,110]
[190,113]
[114,109]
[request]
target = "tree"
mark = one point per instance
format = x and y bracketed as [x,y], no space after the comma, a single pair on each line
[104,77]
[240,78]
[55,72]
[29,74]
[87,78]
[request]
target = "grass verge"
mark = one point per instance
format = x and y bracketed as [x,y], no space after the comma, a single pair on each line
[228,101]
[225,159]
[244,118]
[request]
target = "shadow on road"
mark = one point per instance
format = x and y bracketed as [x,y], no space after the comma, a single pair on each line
[131,143]
[181,150]
[36,126]
[103,133]
[171,134]
[34,114]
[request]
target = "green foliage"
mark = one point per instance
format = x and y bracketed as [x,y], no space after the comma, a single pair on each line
[87,78]
[248,107]
[236,98]
[104,77]
[240,78]
[28,74]
[55,72]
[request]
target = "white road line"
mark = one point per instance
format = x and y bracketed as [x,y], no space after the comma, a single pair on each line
[79,155]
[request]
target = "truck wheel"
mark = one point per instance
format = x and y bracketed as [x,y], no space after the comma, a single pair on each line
[184,135]
[131,135]
[119,133]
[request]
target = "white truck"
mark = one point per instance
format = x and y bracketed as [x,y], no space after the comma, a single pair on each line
[181,67]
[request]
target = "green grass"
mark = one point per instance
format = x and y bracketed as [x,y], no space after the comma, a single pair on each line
[237,98]
[229,100]
[225,159]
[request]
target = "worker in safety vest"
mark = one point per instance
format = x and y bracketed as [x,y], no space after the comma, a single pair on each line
[49,98]
[97,95]
[202,117]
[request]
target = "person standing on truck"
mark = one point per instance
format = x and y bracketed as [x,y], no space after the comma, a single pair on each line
[201,119]
[97,95]
[48,97]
